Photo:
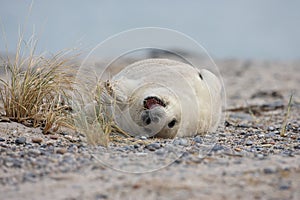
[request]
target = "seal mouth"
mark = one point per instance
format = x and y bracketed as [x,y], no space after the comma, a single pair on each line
[151,102]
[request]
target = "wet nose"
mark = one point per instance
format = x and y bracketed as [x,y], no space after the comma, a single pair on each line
[146,117]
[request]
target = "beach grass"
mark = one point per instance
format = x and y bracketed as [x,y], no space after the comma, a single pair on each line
[41,90]
[35,89]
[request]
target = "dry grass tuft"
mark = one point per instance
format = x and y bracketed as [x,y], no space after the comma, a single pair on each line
[90,118]
[93,116]
[41,91]
[36,89]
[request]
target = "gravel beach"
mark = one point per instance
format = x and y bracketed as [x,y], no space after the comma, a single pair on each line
[246,158]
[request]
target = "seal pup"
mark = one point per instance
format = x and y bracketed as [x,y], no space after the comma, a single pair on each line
[164,98]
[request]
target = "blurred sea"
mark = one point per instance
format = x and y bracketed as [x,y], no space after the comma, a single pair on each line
[252,29]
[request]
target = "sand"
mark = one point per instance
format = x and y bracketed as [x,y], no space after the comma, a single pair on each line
[250,159]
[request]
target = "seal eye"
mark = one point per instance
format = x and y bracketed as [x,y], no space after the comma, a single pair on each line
[172,123]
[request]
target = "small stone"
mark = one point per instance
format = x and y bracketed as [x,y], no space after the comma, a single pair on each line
[284,187]
[128,148]
[243,116]
[222,134]
[30,177]
[271,134]
[260,156]
[13,162]
[61,151]
[71,138]
[243,133]
[153,146]
[73,148]
[160,152]
[141,154]
[101,196]
[50,143]
[297,147]
[34,152]
[2,139]
[269,171]
[261,136]
[294,137]
[37,140]
[3,145]
[266,145]
[238,149]
[136,146]
[4,119]
[198,139]
[183,142]
[143,138]
[227,123]
[217,147]
[20,140]
[54,137]
[271,128]
[249,142]
[277,132]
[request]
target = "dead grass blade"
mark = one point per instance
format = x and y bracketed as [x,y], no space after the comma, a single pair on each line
[284,123]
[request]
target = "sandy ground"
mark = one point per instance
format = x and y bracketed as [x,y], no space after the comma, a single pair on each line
[251,160]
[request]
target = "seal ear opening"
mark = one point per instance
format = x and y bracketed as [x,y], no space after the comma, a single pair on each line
[200,75]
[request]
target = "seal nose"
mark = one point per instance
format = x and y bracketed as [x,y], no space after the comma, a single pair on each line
[149,116]
[146,117]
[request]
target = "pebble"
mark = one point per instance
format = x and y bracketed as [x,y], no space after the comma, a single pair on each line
[266,145]
[297,146]
[128,148]
[269,170]
[61,151]
[143,138]
[71,138]
[198,139]
[217,147]
[271,128]
[277,132]
[54,137]
[31,177]
[243,116]
[284,187]
[153,146]
[160,152]
[34,152]
[260,156]
[261,136]
[243,126]
[13,162]
[2,139]
[249,142]
[181,142]
[72,148]
[4,119]
[101,196]
[222,134]
[37,140]
[271,134]
[20,140]
[238,149]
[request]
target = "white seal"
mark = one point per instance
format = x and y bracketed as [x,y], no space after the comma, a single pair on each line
[164,98]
